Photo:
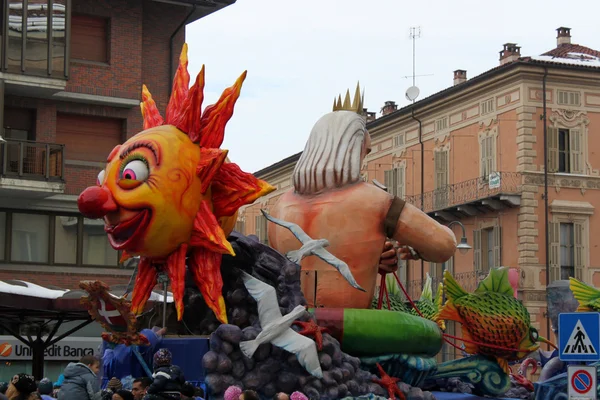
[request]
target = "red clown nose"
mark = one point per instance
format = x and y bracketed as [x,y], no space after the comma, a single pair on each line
[95,202]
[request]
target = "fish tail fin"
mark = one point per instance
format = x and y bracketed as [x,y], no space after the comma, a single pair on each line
[427,293]
[249,347]
[453,289]
[583,293]
[294,256]
[449,312]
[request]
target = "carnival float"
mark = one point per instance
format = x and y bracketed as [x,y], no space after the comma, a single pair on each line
[169,197]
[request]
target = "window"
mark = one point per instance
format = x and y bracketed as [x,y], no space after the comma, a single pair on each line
[487,149]
[399,140]
[65,239]
[240,226]
[96,247]
[261,229]
[89,38]
[30,238]
[440,159]
[487,106]
[394,181]
[566,98]
[487,248]
[2,234]
[436,270]
[565,150]
[567,250]
[28,50]
[441,124]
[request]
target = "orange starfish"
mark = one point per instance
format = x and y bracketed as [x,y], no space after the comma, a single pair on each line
[389,383]
[311,328]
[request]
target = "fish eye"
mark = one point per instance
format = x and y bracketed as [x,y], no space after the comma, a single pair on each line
[534,334]
[135,170]
[100,178]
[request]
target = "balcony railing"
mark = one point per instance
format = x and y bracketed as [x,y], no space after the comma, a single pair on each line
[467,280]
[32,160]
[502,183]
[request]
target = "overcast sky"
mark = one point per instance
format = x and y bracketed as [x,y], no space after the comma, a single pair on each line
[300,54]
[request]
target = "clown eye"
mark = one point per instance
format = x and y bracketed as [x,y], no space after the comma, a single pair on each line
[100,179]
[135,170]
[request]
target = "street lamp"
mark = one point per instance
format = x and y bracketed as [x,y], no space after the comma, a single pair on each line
[463,246]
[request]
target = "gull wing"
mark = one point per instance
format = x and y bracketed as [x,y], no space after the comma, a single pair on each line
[338,264]
[266,298]
[304,348]
[295,229]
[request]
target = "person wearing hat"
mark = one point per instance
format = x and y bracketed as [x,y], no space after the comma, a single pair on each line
[45,389]
[168,379]
[21,387]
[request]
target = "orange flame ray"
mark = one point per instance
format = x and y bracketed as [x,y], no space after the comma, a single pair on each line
[124,257]
[216,116]
[144,283]
[176,271]
[150,112]
[233,188]
[208,233]
[181,84]
[190,120]
[205,266]
[211,161]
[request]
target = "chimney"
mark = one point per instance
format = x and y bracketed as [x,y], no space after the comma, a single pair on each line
[460,76]
[563,36]
[370,116]
[388,107]
[510,53]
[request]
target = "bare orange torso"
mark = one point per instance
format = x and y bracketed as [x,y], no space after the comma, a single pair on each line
[351,219]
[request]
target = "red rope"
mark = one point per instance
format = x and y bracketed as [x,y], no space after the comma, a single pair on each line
[387,296]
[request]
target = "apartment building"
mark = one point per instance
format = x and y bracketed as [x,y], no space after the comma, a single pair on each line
[71,73]
[475,153]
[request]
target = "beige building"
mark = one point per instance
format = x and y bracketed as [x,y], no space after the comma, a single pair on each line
[474,153]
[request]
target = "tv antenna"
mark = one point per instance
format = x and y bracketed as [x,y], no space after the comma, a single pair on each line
[413,92]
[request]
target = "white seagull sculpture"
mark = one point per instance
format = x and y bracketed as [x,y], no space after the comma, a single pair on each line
[276,327]
[312,247]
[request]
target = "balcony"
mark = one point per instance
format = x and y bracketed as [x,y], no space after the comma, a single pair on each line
[34,40]
[31,169]
[473,197]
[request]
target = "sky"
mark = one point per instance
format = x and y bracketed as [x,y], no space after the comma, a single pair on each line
[301,54]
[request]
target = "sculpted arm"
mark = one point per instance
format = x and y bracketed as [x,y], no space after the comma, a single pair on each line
[433,241]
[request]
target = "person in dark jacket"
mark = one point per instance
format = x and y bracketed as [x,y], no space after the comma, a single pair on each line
[168,378]
[81,380]
[21,387]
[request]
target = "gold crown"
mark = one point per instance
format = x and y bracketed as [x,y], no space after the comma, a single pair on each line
[356,105]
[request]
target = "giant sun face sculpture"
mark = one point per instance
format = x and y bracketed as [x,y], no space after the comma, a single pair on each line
[168,193]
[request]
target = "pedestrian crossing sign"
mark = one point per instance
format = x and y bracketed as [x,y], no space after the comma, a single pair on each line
[579,336]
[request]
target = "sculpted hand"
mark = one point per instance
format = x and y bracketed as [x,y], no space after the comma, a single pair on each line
[388,262]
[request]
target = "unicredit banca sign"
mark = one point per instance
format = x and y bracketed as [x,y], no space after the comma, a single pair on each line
[68,349]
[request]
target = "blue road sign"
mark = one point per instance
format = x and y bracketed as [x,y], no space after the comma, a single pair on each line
[579,336]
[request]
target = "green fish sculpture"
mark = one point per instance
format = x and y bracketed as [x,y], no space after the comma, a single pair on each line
[587,296]
[492,316]
[429,306]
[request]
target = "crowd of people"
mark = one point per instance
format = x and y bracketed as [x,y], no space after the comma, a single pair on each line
[236,393]
[80,381]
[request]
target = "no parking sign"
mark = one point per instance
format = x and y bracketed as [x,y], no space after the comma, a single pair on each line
[582,383]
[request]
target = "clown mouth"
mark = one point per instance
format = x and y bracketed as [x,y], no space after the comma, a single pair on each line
[124,234]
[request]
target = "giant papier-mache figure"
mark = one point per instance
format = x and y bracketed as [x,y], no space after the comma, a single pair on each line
[169,193]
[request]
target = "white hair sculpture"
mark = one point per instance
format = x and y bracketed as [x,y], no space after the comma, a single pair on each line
[332,156]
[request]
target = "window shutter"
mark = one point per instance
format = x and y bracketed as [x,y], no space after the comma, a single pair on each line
[578,233]
[436,166]
[483,162]
[554,233]
[477,250]
[387,180]
[492,155]
[258,226]
[394,182]
[400,182]
[265,231]
[450,265]
[433,270]
[552,149]
[497,246]
[575,139]
[445,168]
